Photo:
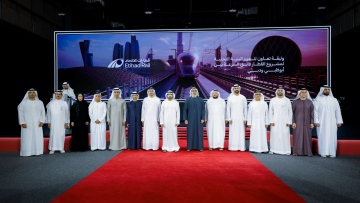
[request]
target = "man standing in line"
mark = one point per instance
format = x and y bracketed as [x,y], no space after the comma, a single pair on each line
[280,118]
[69,97]
[133,119]
[194,118]
[57,118]
[258,122]
[328,119]
[169,121]
[31,114]
[67,90]
[302,123]
[97,113]
[236,112]
[116,118]
[150,119]
[215,120]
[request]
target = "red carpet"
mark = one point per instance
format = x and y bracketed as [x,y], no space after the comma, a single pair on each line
[153,176]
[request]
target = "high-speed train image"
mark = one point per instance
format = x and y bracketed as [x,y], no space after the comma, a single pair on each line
[188,65]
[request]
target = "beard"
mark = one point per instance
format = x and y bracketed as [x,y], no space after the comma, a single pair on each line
[326,93]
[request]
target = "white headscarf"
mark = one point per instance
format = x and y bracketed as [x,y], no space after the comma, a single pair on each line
[112,92]
[54,97]
[169,92]
[66,83]
[307,95]
[27,94]
[196,90]
[280,88]
[211,93]
[151,88]
[131,98]
[93,100]
[232,89]
[261,97]
[321,92]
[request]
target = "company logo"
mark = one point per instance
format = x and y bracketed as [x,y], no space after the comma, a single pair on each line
[117,63]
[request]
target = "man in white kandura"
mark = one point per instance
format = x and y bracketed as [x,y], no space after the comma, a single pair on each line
[116,118]
[69,97]
[97,113]
[169,121]
[280,119]
[215,116]
[58,119]
[31,114]
[67,90]
[258,122]
[150,119]
[327,119]
[236,111]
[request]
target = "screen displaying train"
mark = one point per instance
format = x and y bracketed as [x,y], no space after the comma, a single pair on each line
[134,60]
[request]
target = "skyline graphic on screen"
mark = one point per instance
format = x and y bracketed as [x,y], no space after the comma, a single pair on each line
[256,59]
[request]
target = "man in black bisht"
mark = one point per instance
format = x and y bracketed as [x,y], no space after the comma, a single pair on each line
[194,116]
[133,119]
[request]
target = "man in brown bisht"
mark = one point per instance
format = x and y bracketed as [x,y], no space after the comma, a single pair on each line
[302,123]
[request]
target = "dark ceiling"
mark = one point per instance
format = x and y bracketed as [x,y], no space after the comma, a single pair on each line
[169,14]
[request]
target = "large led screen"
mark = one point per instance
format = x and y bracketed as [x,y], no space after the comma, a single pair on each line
[134,60]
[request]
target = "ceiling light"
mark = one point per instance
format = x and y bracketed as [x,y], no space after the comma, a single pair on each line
[61,14]
[321,7]
[232,10]
[148,12]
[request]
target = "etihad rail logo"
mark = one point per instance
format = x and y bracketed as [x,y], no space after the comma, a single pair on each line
[130,63]
[117,63]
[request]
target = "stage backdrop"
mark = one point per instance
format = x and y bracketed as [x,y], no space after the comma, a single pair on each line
[133,60]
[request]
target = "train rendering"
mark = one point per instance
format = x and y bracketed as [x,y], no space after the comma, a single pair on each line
[188,65]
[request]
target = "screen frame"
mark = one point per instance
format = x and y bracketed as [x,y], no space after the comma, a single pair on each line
[57,33]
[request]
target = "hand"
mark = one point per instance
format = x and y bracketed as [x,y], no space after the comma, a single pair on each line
[186,122]
[272,124]
[287,125]
[293,126]
[230,122]
[109,123]
[202,121]
[65,125]
[249,126]
[23,125]
[162,125]
[266,126]
[72,124]
[123,123]
[317,124]
[339,124]
[49,125]
[177,125]
[41,124]
[311,126]
[87,123]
